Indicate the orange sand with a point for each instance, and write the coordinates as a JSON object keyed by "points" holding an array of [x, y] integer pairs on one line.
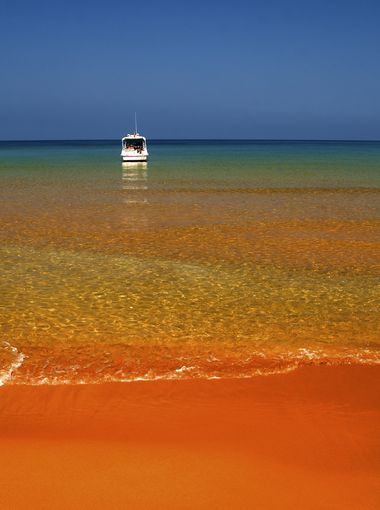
{"points": [[307, 439]]}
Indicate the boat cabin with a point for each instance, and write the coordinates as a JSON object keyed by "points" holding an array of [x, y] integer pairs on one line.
{"points": [[134, 143]]}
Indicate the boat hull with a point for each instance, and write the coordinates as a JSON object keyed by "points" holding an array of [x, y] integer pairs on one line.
{"points": [[134, 157]]}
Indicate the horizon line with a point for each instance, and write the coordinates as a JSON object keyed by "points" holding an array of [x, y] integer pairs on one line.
{"points": [[194, 140]]}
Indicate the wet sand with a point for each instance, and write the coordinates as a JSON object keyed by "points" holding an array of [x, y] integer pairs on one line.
{"points": [[306, 439]]}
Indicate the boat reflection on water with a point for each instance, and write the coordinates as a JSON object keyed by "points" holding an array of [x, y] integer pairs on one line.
{"points": [[135, 180], [135, 186]]}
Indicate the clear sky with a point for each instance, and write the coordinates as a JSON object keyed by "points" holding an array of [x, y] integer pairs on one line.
{"points": [[196, 69]]}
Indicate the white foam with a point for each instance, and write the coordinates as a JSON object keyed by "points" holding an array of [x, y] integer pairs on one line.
{"points": [[184, 369], [16, 363]]}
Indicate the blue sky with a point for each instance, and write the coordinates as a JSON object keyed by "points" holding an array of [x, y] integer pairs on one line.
{"points": [[201, 69]]}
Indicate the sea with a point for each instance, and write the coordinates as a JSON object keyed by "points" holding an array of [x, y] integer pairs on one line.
{"points": [[215, 259]]}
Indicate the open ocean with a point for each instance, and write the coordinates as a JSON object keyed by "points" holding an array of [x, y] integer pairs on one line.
{"points": [[215, 259]]}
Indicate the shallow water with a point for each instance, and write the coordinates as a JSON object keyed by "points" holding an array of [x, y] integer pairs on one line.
{"points": [[215, 259]]}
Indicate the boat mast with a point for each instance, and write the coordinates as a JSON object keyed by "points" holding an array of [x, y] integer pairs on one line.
{"points": [[135, 124]]}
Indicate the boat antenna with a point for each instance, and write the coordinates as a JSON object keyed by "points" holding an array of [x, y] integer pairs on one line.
{"points": [[135, 124]]}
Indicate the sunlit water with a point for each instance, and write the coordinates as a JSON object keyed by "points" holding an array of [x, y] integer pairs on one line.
{"points": [[215, 259]]}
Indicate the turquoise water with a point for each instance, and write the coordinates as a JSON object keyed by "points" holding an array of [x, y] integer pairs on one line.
{"points": [[261, 163], [214, 259]]}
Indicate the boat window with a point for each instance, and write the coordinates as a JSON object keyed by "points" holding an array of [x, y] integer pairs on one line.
{"points": [[133, 144]]}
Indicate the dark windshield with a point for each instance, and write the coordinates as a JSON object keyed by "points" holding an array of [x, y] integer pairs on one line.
{"points": [[133, 144]]}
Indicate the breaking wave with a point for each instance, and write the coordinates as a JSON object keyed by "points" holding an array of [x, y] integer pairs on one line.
{"points": [[210, 367], [16, 362]]}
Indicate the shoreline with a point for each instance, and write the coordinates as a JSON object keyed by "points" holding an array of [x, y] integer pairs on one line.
{"points": [[305, 439]]}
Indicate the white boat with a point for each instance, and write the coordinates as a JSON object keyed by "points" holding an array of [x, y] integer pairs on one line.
{"points": [[133, 147]]}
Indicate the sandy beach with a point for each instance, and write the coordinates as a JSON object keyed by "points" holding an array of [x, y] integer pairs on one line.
{"points": [[305, 439]]}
